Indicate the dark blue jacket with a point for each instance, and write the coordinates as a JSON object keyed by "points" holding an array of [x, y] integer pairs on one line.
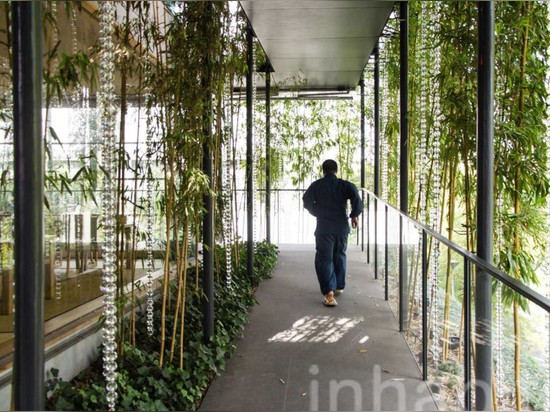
{"points": [[326, 199]]}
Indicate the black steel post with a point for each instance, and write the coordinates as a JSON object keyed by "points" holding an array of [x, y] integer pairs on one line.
{"points": [[268, 155], [28, 360], [376, 122], [386, 258], [362, 84], [403, 158], [424, 305], [467, 336], [368, 228], [485, 190], [249, 158], [376, 238], [208, 204]]}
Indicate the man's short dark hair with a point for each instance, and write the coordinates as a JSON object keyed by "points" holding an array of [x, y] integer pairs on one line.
{"points": [[330, 166]]}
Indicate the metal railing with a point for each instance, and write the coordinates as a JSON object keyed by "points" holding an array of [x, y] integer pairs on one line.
{"points": [[376, 224], [469, 259]]}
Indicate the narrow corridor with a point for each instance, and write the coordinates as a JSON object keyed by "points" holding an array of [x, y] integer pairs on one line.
{"points": [[296, 354]]}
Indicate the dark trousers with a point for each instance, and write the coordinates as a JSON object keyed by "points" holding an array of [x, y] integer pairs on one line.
{"points": [[330, 261]]}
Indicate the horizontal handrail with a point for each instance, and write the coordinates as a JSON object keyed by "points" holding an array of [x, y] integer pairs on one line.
{"points": [[495, 272]]}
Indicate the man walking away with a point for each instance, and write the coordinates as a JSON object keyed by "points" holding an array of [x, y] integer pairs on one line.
{"points": [[326, 199]]}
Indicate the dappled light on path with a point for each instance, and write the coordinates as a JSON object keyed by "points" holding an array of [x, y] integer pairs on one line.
{"points": [[317, 329]]}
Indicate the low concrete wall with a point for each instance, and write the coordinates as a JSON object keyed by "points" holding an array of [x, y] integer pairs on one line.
{"points": [[75, 357]]}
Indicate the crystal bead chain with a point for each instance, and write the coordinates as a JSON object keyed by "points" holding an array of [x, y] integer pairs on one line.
{"points": [[498, 343], [150, 220], [421, 146], [57, 258], [369, 108], [78, 240], [384, 147], [254, 146], [74, 31], [384, 192], [547, 385], [435, 217], [86, 109], [55, 33], [227, 221], [107, 113]]}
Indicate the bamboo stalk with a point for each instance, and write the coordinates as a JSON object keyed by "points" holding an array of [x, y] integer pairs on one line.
{"points": [[178, 303], [447, 307], [165, 296], [184, 293]]}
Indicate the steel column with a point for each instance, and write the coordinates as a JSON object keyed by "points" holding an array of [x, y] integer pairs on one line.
{"points": [[268, 155], [403, 158], [485, 189], [362, 84], [28, 360], [208, 204], [376, 122], [249, 157]]}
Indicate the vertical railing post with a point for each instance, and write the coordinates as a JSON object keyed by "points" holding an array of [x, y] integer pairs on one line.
{"points": [[28, 360], [268, 155], [386, 257], [362, 111], [249, 157], [424, 305], [467, 335], [403, 279], [403, 158], [368, 228], [376, 238]]}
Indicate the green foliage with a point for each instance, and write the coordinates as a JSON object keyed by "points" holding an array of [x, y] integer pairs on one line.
{"points": [[451, 367], [142, 383], [522, 39]]}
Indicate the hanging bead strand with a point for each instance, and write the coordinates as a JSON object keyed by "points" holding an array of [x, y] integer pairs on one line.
{"points": [[421, 146], [150, 218], [57, 258], [547, 385], [227, 220], [107, 113], [434, 214], [498, 342], [384, 192], [254, 146]]}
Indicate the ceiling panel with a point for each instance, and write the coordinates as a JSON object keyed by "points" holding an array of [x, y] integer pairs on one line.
{"points": [[324, 43]]}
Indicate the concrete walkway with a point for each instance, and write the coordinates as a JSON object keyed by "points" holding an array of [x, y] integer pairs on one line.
{"points": [[298, 355]]}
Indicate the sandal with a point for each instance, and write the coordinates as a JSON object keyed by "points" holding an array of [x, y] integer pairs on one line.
{"points": [[332, 302]]}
